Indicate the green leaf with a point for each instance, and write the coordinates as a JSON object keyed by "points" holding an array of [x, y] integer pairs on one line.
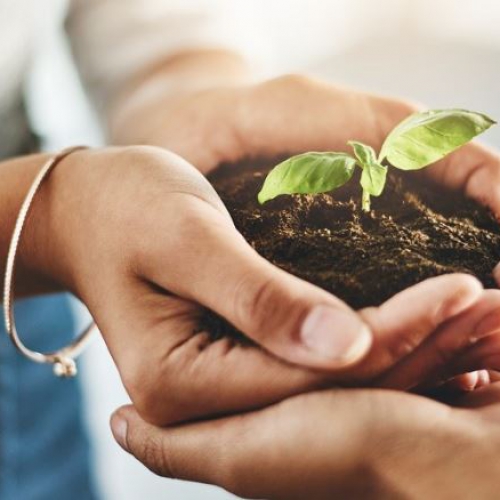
{"points": [[365, 154], [373, 178], [308, 173], [374, 174], [424, 138]]}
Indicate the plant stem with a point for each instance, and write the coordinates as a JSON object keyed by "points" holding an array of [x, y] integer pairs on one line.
{"points": [[365, 201]]}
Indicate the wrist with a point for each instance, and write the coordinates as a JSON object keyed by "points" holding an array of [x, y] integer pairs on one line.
{"points": [[149, 96], [43, 252], [88, 217], [16, 178]]}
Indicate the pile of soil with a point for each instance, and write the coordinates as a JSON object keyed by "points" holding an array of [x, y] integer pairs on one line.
{"points": [[415, 230]]}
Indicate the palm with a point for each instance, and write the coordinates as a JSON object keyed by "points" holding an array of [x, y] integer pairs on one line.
{"points": [[320, 446]]}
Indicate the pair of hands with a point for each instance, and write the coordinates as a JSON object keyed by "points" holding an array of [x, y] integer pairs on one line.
{"points": [[155, 243], [199, 259]]}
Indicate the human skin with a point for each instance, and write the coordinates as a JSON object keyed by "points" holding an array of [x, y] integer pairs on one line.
{"points": [[367, 444], [351, 443], [141, 237], [146, 274], [204, 106]]}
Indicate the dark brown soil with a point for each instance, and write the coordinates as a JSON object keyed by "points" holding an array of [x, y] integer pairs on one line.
{"points": [[414, 231]]}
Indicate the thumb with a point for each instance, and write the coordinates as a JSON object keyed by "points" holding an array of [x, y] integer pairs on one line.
{"points": [[289, 317], [140, 439], [184, 452], [292, 319]]}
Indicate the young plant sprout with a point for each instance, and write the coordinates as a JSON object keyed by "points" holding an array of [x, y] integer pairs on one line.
{"points": [[417, 142]]}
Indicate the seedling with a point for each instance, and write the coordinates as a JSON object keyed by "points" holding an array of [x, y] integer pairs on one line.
{"points": [[417, 142]]}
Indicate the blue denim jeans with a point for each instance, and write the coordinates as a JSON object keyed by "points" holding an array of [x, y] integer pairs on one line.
{"points": [[44, 451]]}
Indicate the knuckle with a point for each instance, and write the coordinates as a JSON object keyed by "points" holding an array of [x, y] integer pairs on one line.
{"points": [[201, 218], [190, 225], [161, 395], [187, 223], [152, 163], [268, 307], [248, 297], [465, 290], [444, 354], [401, 347], [384, 352], [466, 283], [141, 159], [140, 384], [158, 407], [140, 152], [257, 303], [149, 391]]}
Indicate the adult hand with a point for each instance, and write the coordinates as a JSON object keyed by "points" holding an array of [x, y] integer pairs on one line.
{"points": [[333, 444], [141, 237], [292, 114]]}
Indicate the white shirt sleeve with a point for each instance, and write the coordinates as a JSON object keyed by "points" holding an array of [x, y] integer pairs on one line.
{"points": [[113, 40]]}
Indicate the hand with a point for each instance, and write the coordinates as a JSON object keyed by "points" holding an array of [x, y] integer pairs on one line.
{"points": [[293, 114], [141, 237], [333, 444], [287, 115]]}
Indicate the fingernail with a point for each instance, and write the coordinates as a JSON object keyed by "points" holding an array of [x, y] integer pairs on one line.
{"points": [[119, 429], [483, 378], [336, 335]]}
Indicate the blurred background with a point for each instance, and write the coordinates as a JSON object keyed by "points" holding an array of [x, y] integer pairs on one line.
{"points": [[444, 53]]}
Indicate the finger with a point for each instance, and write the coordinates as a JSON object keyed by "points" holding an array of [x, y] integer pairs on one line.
{"points": [[179, 453], [485, 354], [261, 454], [204, 259], [484, 397], [496, 273], [349, 114], [468, 381], [195, 377], [233, 453], [487, 398], [494, 376], [463, 383], [402, 323], [267, 454], [433, 358], [483, 379], [474, 169]]}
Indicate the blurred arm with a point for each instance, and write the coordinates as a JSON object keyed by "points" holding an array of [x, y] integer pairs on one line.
{"points": [[134, 53]]}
